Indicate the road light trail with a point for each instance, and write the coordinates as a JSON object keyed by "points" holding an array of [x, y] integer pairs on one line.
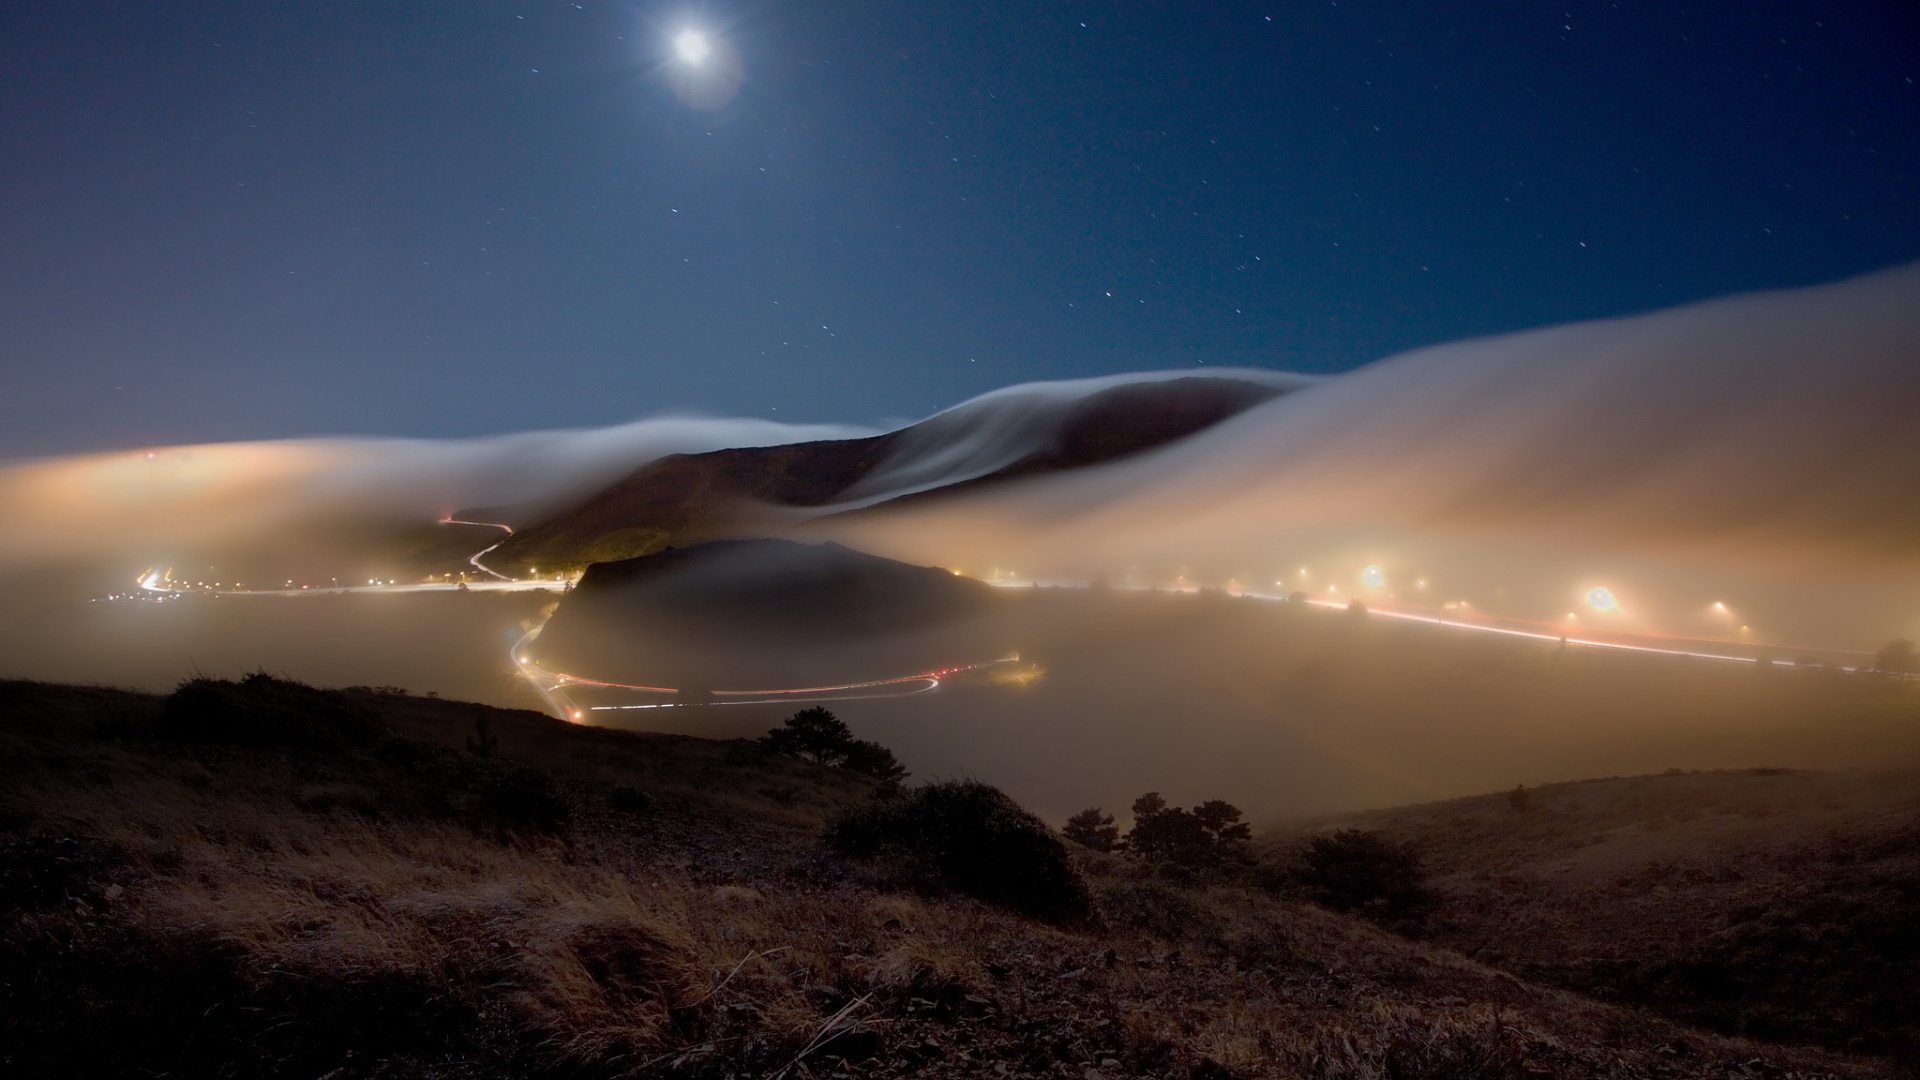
{"points": [[551, 685], [1455, 622], [475, 557]]}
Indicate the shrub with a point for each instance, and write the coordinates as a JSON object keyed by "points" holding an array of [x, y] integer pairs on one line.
{"points": [[970, 837], [262, 710], [526, 798], [1365, 873], [1093, 828], [872, 759], [629, 799], [1896, 657], [483, 742]]}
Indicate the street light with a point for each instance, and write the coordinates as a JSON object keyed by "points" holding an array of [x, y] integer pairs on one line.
{"points": [[1727, 614]]}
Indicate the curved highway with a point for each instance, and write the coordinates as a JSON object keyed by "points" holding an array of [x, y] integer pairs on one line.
{"points": [[552, 686]]}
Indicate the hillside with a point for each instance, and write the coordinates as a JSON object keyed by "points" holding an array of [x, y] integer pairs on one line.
{"points": [[261, 879], [1023, 431], [1778, 903]]}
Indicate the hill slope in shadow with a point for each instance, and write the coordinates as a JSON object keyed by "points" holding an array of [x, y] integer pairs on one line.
{"points": [[774, 614], [1022, 431], [405, 900], [1778, 903]]}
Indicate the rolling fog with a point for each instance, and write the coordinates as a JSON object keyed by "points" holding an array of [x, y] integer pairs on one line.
{"points": [[1759, 452]]}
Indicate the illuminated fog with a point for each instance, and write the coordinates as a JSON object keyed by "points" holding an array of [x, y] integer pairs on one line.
{"points": [[1758, 453]]}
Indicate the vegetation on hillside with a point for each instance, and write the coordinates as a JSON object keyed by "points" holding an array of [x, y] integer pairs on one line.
{"points": [[1206, 836], [818, 736], [244, 897], [1774, 903], [970, 837]]}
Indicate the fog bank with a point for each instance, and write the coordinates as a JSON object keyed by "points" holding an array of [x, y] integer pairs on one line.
{"points": [[1761, 450]]}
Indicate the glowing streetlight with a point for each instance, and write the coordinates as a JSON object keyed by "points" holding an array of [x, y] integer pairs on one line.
{"points": [[1726, 614]]}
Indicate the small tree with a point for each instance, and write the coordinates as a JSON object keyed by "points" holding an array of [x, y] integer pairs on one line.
{"points": [[1093, 828], [814, 735], [818, 736], [1164, 833], [1222, 822], [1896, 657], [872, 759]]}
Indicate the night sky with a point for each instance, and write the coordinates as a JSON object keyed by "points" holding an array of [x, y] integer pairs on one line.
{"points": [[250, 220]]}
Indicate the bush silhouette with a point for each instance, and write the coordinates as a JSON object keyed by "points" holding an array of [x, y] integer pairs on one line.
{"points": [[1092, 828], [262, 710], [970, 837], [872, 759], [1364, 873], [522, 797], [1896, 657], [483, 742]]}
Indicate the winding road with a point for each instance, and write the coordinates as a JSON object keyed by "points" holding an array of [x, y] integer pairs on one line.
{"points": [[553, 686]]}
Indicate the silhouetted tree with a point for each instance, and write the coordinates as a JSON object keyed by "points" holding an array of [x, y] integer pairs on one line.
{"points": [[1222, 821], [1093, 828], [1896, 657], [1164, 833], [818, 736], [814, 735], [1172, 835], [872, 759]]}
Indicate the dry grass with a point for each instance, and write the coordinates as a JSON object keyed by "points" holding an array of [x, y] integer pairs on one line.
{"points": [[265, 912], [1778, 903]]}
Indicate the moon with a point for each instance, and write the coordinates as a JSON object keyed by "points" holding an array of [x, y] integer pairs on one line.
{"points": [[693, 46], [704, 69]]}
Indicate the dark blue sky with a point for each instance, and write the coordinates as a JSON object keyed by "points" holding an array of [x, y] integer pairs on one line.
{"points": [[241, 220]]}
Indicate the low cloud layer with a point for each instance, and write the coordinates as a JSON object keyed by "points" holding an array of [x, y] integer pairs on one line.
{"points": [[1761, 449]]}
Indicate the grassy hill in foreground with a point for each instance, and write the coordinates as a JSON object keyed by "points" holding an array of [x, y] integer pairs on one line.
{"points": [[1772, 902], [261, 879]]}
